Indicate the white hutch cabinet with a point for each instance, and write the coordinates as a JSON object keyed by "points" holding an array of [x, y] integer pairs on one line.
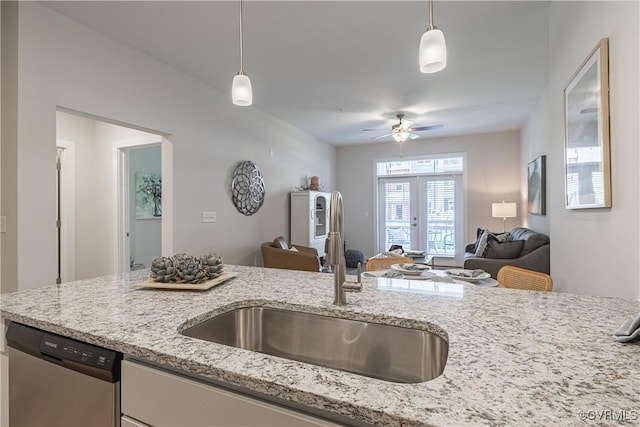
{"points": [[310, 219]]}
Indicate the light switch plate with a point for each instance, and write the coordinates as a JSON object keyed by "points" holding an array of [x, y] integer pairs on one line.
{"points": [[3, 224], [208, 217]]}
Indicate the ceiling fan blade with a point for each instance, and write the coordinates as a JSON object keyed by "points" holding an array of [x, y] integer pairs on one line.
{"points": [[413, 136], [422, 128], [381, 136], [375, 130]]}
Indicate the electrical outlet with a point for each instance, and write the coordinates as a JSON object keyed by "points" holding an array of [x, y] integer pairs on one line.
{"points": [[3, 224], [208, 217]]}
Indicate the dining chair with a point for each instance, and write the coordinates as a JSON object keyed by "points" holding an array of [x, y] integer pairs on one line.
{"points": [[375, 264], [520, 278]]}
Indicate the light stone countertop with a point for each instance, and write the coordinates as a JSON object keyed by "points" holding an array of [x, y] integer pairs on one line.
{"points": [[515, 357]]}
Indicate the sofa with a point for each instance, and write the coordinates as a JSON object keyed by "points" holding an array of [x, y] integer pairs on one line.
{"points": [[279, 254], [522, 247]]}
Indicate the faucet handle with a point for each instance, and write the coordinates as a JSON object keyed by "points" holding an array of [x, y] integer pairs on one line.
{"points": [[352, 287], [357, 286]]}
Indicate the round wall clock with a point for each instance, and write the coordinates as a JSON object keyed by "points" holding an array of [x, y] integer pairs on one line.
{"points": [[247, 187]]}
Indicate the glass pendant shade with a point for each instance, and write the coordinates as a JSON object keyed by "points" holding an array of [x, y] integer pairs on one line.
{"points": [[241, 92], [433, 51], [400, 135]]}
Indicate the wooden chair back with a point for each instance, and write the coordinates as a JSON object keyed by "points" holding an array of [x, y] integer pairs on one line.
{"points": [[519, 278], [376, 264]]}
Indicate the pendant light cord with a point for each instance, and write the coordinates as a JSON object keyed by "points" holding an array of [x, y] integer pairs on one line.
{"points": [[431, 27], [241, 40]]}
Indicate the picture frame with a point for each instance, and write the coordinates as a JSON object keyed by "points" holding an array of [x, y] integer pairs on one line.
{"points": [[148, 195], [587, 161], [537, 186]]}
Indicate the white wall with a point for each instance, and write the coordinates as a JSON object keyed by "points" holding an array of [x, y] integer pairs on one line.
{"points": [[146, 242], [4, 358], [536, 142], [493, 175], [593, 251], [62, 63], [9, 133]]}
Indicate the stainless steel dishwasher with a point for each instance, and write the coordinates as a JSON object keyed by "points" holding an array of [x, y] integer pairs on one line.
{"points": [[58, 381]]}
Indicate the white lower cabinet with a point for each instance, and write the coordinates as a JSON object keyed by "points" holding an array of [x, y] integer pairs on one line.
{"points": [[152, 397]]}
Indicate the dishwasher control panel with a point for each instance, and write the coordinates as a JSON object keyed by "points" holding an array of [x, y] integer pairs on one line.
{"points": [[87, 354], [87, 358]]}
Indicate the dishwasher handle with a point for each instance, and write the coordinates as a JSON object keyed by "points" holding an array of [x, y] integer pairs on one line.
{"points": [[52, 359]]}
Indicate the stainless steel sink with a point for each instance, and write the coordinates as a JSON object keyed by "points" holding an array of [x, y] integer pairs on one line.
{"points": [[386, 352]]}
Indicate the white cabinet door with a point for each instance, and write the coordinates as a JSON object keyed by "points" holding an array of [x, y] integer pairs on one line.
{"points": [[158, 398], [310, 219]]}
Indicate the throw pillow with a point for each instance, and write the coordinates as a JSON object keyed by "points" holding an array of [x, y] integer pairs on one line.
{"points": [[353, 257], [486, 238], [293, 249], [504, 250]]}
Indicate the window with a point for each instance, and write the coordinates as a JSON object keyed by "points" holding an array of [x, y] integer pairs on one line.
{"points": [[399, 212]]}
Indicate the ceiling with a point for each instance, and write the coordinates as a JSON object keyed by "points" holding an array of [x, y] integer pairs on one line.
{"points": [[333, 68]]}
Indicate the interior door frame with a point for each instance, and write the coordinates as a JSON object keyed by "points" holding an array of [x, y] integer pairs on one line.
{"points": [[121, 178], [67, 210]]}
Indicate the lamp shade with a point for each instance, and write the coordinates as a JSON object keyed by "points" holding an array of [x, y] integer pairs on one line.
{"points": [[241, 92], [504, 210], [433, 51]]}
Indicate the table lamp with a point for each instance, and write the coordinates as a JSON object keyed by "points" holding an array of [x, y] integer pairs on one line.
{"points": [[504, 210]]}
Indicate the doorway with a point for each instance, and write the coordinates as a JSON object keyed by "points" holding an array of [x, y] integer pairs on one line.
{"points": [[140, 206], [94, 233], [422, 207]]}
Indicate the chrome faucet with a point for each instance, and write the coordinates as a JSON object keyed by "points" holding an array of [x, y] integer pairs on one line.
{"points": [[335, 252]]}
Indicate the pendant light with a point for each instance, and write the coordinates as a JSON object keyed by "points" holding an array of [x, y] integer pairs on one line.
{"points": [[433, 50], [241, 92]]}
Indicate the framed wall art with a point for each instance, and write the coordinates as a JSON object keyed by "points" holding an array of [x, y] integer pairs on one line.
{"points": [[586, 137], [536, 186], [148, 195]]}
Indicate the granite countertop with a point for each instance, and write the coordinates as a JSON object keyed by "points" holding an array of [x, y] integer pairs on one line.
{"points": [[515, 357]]}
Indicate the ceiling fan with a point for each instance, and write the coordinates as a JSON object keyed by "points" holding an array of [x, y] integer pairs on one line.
{"points": [[402, 130]]}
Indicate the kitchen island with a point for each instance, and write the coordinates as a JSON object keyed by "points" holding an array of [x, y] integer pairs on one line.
{"points": [[515, 357]]}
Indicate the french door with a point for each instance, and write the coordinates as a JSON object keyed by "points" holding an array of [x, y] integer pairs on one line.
{"points": [[422, 213]]}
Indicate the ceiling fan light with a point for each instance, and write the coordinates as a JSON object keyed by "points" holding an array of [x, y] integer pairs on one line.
{"points": [[433, 51], [400, 135], [241, 92]]}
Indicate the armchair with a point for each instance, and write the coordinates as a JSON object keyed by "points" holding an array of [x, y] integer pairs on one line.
{"points": [[278, 254]]}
